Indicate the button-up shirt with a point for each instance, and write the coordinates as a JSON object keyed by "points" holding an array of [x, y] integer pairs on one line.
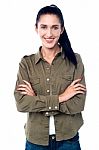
{"points": [[48, 81]]}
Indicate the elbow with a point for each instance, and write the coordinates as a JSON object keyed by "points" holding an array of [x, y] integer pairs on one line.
{"points": [[21, 108]]}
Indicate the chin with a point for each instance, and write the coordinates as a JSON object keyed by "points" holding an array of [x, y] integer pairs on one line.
{"points": [[49, 46]]}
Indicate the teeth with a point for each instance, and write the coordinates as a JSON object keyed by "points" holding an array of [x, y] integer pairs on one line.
{"points": [[49, 39]]}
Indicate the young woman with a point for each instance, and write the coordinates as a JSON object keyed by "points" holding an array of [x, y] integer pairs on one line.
{"points": [[51, 87]]}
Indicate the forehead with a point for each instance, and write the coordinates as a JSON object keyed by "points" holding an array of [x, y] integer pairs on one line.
{"points": [[49, 19]]}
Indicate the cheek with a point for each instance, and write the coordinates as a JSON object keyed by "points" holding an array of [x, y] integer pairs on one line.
{"points": [[57, 35], [41, 32]]}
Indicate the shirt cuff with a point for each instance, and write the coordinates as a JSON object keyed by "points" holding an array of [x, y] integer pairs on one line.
{"points": [[52, 103]]}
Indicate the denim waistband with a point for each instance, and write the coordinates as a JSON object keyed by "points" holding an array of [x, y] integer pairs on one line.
{"points": [[76, 137], [52, 137]]}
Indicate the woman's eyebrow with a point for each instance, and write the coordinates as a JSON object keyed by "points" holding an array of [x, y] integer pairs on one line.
{"points": [[55, 25], [43, 25]]}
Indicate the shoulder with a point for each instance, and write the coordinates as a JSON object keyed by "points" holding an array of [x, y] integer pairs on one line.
{"points": [[78, 57], [27, 59], [29, 56]]}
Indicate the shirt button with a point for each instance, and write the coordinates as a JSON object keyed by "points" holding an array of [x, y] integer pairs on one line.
{"points": [[47, 79], [48, 91], [53, 137], [46, 113], [47, 68], [56, 107], [49, 107]]}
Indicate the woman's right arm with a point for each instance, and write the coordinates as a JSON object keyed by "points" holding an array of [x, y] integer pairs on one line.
{"points": [[32, 103]]}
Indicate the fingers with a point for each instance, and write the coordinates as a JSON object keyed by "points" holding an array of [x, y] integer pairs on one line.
{"points": [[26, 88], [23, 87], [23, 90], [27, 83], [80, 92], [76, 84], [78, 87], [75, 81]]}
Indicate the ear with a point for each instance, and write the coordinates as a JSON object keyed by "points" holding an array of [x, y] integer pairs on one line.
{"points": [[62, 30], [36, 29]]}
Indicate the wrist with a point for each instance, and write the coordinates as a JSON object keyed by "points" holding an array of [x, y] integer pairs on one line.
{"points": [[61, 98]]}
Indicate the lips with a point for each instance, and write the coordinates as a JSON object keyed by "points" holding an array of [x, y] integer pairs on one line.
{"points": [[49, 40]]}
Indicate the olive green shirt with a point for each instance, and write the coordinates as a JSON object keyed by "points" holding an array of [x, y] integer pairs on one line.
{"points": [[48, 81]]}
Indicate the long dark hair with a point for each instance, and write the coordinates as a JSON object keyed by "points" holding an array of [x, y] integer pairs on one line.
{"points": [[63, 40]]}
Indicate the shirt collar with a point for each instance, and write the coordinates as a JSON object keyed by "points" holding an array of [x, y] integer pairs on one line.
{"points": [[38, 55]]}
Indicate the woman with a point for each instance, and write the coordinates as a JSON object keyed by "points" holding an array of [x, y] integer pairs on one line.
{"points": [[51, 87]]}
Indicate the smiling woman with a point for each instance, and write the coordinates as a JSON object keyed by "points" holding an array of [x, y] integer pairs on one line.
{"points": [[51, 87], [49, 28]]}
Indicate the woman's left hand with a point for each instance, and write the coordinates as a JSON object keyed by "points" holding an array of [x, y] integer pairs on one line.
{"points": [[26, 89]]}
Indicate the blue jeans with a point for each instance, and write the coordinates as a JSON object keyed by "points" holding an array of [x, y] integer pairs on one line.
{"points": [[71, 144]]}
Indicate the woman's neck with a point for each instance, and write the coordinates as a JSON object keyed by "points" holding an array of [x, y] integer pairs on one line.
{"points": [[49, 54]]}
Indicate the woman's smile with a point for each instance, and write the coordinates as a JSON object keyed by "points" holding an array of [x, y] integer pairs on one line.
{"points": [[49, 40]]}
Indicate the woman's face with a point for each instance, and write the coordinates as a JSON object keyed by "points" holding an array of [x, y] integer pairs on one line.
{"points": [[49, 30]]}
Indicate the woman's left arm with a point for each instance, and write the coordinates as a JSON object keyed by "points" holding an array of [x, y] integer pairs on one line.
{"points": [[75, 94]]}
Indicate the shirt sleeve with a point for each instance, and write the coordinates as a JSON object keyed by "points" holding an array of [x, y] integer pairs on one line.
{"points": [[38, 103], [76, 104]]}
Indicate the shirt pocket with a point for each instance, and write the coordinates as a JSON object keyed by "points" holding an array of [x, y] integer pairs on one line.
{"points": [[65, 80], [35, 83]]}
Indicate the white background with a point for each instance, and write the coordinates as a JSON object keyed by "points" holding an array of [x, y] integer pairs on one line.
{"points": [[18, 38]]}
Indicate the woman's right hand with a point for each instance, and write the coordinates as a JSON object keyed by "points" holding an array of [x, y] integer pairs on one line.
{"points": [[73, 89], [26, 89]]}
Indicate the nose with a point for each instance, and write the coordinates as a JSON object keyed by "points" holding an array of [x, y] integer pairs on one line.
{"points": [[49, 32]]}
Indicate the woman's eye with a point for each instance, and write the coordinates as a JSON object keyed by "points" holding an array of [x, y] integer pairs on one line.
{"points": [[55, 28], [43, 27]]}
